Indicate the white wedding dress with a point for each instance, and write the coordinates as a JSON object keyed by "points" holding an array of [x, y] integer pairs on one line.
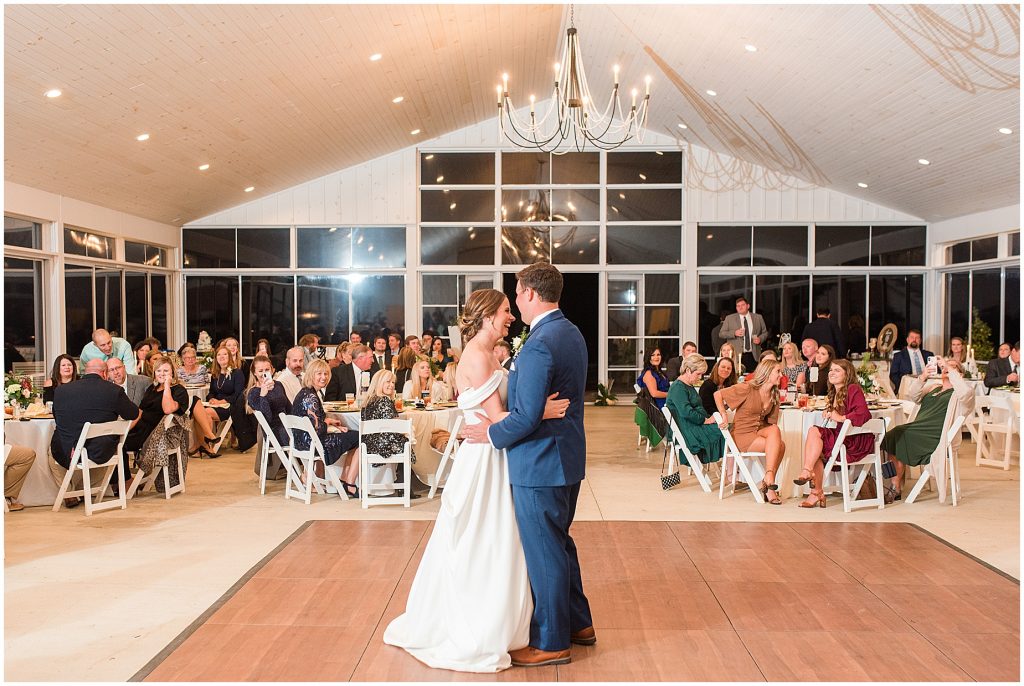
{"points": [[470, 602]]}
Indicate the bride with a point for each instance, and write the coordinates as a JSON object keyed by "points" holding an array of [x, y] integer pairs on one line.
{"points": [[470, 602]]}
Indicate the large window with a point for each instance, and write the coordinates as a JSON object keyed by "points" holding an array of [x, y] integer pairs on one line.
{"points": [[880, 246], [988, 295], [348, 247], [268, 311], [87, 244], [23, 310], [130, 304], [643, 314], [746, 246], [22, 233]]}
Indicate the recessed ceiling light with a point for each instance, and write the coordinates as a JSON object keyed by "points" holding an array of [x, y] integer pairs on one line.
{"points": [[53, 93], [204, 167], [711, 93], [750, 48], [142, 137], [414, 132], [1003, 130], [375, 56], [250, 189], [682, 126], [398, 99], [923, 161], [862, 184]]}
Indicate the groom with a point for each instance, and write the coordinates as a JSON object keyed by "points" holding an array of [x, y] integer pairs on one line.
{"points": [[546, 463]]}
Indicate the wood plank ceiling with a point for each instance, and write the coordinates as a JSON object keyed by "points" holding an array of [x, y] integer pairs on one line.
{"points": [[271, 96]]}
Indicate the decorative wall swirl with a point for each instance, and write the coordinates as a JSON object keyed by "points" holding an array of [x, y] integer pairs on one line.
{"points": [[710, 170], [972, 50]]}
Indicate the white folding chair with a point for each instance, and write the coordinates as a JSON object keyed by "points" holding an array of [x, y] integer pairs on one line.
{"points": [[943, 452], [986, 430], [640, 438], [80, 462], [223, 427], [140, 482], [863, 466], [678, 445], [308, 459], [746, 462], [379, 426], [440, 476], [268, 446]]}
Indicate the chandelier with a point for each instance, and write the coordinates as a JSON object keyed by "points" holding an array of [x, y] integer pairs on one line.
{"points": [[572, 120]]}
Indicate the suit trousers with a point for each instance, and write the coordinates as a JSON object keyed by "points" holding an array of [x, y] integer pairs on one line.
{"points": [[544, 515], [16, 469]]}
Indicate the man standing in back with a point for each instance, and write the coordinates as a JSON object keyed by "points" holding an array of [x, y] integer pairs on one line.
{"points": [[745, 331], [824, 330], [104, 346]]}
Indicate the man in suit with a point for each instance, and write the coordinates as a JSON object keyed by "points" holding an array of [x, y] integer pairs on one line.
{"points": [[90, 399], [350, 378], [824, 330], [503, 354], [910, 360], [745, 330], [546, 464], [134, 385], [672, 368], [291, 376], [381, 355], [394, 344], [1004, 371]]}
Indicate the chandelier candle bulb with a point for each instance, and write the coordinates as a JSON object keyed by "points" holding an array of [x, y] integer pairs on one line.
{"points": [[647, 83], [615, 69]]}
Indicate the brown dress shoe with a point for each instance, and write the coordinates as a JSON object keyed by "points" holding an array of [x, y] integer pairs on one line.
{"points": [[534, 657], [584, 637]]}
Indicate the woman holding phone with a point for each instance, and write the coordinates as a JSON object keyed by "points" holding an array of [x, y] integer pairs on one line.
{"points": [[267, 396]]}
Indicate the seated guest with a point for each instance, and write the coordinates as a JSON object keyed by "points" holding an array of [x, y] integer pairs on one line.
{"points": [[756, 424], [232, 345], [166, 396], [653, 380], [184, 346], [421, 382], [723, 375], [380, 404], [394, 344], [856, 334], [404, 364], [225, 398], [911, 360], [341, 356], [1003, 351], [809, 348], [728, 351], [351, 378], [262, 348], [355, 338], [427, 341], [1004, 371], [793, 366], [64, 371], [134, 385], [291, 376], [142, 350], [957, 350], [16, 467], [153, 359], [104, 346], [845, 401], [703, 438], [267, 396], [825, 331], [414, 343], [309, 343], [381, 355], [766, 355], [503, 353], [90, 399], [191, 372], [817, 373], [446, 390], [340, 446], [672, 367], [438, 353], [912, 444]]}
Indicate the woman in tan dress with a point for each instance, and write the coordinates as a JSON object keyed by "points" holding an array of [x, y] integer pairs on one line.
{"points": [[756, 424]]}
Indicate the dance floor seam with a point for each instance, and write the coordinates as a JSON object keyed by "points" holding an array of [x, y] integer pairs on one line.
{"points": [[672, 601]]}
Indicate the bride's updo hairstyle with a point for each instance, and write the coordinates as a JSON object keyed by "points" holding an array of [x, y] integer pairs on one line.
{"points": [[482, 303]]}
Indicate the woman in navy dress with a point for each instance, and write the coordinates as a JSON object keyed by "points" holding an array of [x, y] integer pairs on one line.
{"points": [[653, 379]]}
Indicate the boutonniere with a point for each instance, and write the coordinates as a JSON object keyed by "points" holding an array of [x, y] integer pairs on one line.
{"points": [[519, 341]]}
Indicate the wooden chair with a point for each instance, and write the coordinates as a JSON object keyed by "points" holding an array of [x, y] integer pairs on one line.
{"points": [[862, 467], [269, 446], [985, 431], [694, 464], [745, 462], [943, 458], [140, 482], [80, 462], [378, 426], [308, 459], [440, 476]]}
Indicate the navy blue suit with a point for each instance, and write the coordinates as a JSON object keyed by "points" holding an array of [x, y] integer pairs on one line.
{"points": [[901, 365], [546, 461]]}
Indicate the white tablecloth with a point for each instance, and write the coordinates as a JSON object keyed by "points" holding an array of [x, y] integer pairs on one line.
{"points": [[794, 424], [197, 392], [40, 486], [1009, 412]]}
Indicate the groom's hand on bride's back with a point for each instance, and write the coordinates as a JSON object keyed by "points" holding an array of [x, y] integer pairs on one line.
{"points": [[477, 433]]}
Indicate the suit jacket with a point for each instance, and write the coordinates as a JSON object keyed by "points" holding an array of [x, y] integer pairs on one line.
{"points": [[343, 381], [997, 371], [90, 399], [137, 387], [672, 368], [901, 365], [554, 452], [507, 363], [757, 328], [375, 367], [824, 330]]}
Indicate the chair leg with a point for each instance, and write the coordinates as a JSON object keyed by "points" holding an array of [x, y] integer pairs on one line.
{"points": [[87, 488], [925, 477], [264, 459]]}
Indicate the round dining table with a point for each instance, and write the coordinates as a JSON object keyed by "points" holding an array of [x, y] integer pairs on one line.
{"points": [[40, 487]]}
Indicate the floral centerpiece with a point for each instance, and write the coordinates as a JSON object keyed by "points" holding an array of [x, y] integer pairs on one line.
{"points": [[18, 390], [866, 371], [605, 396]]}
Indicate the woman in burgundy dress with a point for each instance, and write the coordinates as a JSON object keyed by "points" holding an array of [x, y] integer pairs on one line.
{"points": [[845, 401]]}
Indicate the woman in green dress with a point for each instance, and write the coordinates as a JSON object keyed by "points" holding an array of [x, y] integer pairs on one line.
{"points": [[702, 436]]}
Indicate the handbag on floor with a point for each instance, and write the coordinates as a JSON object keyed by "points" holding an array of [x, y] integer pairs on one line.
{"points": [[668, 480]]}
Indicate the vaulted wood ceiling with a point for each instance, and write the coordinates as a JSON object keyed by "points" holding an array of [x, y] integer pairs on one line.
{"points": [[271, 96]]}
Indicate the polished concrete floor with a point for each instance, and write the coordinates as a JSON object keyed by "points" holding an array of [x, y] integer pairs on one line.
{"points": [[97, 598]]}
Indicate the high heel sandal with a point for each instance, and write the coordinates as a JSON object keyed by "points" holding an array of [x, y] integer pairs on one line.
{"points": [[764, 488], [819, 500], [354, 492], [801, 480]]}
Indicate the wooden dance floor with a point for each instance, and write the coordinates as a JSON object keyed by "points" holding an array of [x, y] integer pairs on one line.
{"points": [[672, 601]]}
